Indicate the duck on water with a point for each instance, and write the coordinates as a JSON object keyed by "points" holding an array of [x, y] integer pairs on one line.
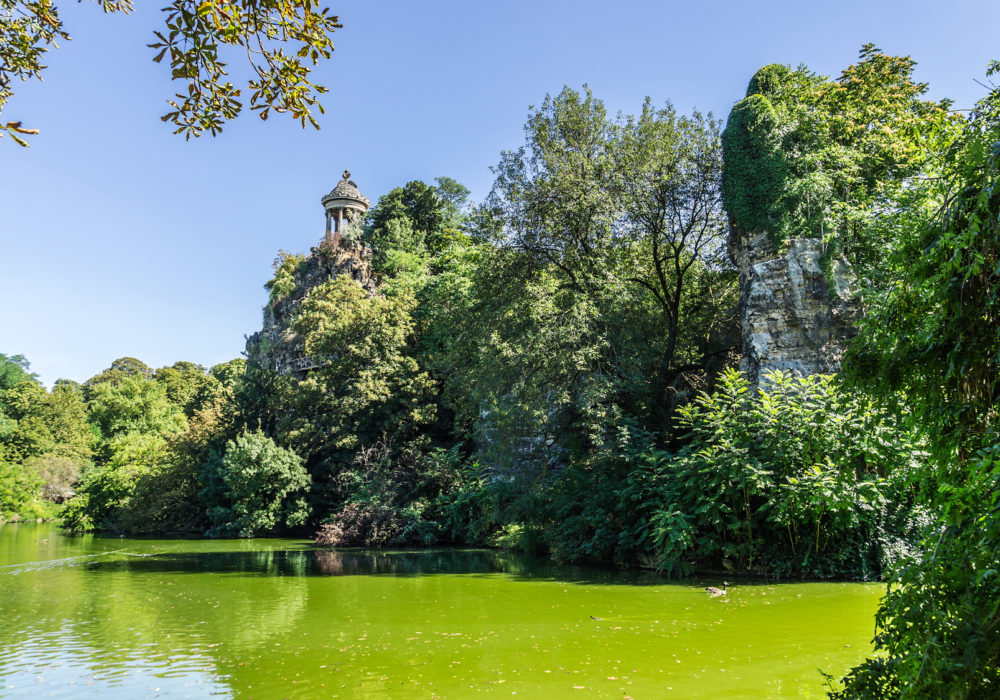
{"points": [[716, 592]]}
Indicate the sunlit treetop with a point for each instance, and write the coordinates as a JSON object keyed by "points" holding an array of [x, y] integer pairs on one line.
{"points": [[814, 157]]}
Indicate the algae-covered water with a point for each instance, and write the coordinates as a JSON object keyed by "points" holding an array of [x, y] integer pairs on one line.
{"points": [[278, 618]]}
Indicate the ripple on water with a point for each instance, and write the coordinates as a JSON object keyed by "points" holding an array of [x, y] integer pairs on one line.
{"points": [[61, 664]]}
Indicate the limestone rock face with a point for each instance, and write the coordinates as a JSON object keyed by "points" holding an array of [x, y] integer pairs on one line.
{"points": [[277, 346], [792, 316]]}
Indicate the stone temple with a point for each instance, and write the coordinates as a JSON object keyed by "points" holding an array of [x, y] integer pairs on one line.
{"points": [[277, 347], [344, 203]]}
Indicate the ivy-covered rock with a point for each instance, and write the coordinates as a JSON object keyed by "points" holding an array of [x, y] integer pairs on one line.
{"points": [[813, 170]]}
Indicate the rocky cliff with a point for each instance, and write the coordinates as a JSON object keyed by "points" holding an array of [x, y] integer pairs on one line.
{"points": [[798, 306], [277, 346], [794, 316]]}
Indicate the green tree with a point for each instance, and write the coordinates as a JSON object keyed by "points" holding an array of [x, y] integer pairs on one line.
{"points": [[557, 198], [368, 383], [189, 386], [279, 41], [18, 486], [359, 418], [417, 201], [24, 434], [415, 220], [15, 369], [264, 488], [398, 247], [455, 196], [671, 168], [448, 329], [136, 485], [45, 422], [613, 204], [44, 436], [230, 374], [620, 223], [120, 369], [134, 405], [65, 415], [932, 341], [109, 494]]}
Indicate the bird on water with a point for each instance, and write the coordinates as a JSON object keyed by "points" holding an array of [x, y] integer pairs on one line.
{"points": [[715, 592]]}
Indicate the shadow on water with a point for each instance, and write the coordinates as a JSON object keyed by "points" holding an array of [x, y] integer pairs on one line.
{"points": [[325, 562]]}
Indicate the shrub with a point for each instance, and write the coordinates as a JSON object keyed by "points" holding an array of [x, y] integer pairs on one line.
{"points": [[263, 487], [802, 478], [19, 486], [361, 525], [283, 282], [329, 535], [76, 514]]}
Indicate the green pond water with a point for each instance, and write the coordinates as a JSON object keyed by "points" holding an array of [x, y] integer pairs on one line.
{"points": [[277, 618]]}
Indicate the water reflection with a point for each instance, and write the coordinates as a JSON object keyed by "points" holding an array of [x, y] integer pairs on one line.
{"points": [[326, 562]]}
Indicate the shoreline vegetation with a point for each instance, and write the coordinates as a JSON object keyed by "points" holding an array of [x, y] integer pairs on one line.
{"points": [[554, 371]]}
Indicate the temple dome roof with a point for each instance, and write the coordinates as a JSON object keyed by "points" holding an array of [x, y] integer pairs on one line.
{"points": [[346, 193]]}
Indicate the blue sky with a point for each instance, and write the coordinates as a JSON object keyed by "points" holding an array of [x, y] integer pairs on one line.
{"points": [[118, 238]]}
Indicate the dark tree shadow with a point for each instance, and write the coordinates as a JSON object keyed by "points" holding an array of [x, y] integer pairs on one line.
{"points": [[349, 562]]}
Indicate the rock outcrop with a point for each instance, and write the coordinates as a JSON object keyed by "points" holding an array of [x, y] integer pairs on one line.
{"points": [[277, 346], [793, 315]]}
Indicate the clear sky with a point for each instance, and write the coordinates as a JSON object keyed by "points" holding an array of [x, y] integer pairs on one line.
{"points": [[119, 239]]}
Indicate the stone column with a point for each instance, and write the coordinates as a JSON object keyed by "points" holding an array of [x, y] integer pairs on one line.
{"points": [[340, 221], [329, 223]]}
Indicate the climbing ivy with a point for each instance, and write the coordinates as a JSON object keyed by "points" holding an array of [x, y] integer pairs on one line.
{"points": [[806, 156]]}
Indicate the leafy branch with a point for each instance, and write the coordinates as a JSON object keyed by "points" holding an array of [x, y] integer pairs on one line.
{"points": [[282, 39]]}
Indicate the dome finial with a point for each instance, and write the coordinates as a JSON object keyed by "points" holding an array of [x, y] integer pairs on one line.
{"points": [[347, 174]]}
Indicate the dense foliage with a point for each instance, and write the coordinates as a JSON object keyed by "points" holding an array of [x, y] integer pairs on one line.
{"points": [[607, 293], [124, 449], [932, 342], [519, 378], [831, 159], [415, 221], [256, 487], [45, 440], [801, 478]]}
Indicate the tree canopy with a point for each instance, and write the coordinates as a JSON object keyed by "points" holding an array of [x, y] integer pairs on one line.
{"points": [[806, 156], [417, 221], [628, 206]]}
